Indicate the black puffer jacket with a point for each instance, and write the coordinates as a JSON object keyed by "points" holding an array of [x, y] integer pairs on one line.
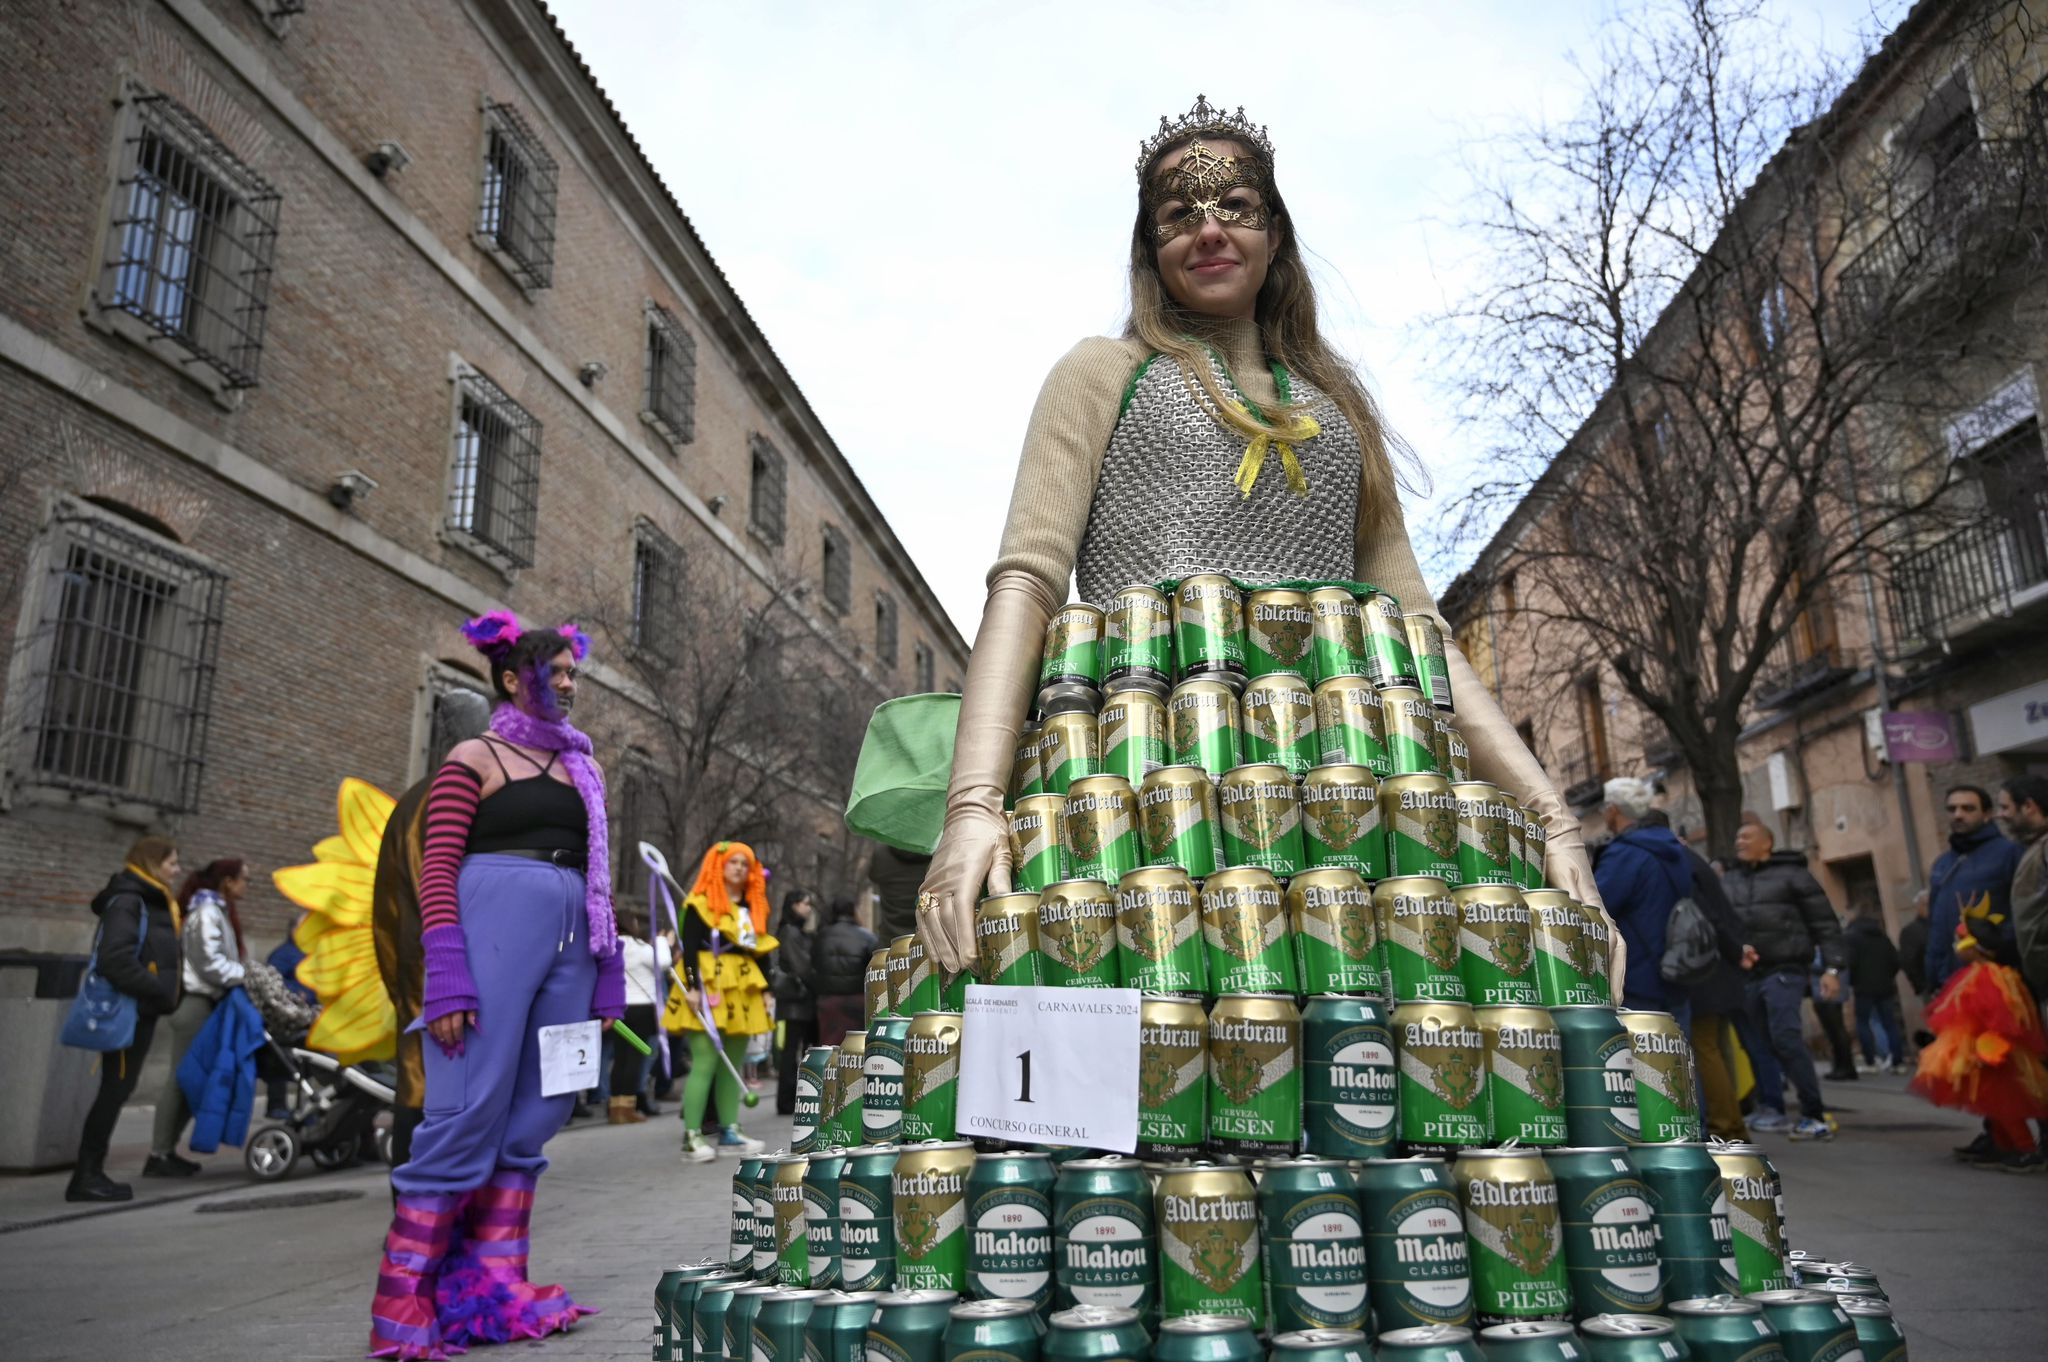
{"points": [[792, 961], [1873, 960], [1784, 913], [842, 958], [150, 976]]}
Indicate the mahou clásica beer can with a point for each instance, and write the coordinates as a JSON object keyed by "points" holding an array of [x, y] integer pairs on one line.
{"points": [[1496, 955], [1100, 828], [1599, 1076], [1138, 639], [1416, 1259], [1433, 668], [1009, 1226], [821, 1214], [1091, 1333], [1531, 1340], [1442, 1102], [1255, 1075], [1610, 1232], [1630, 1338], [1178, 820], [931, 1077], [1351, 725], [1340, 820], [881, 1108], [930, 1189], [1038, 849], [1349, 1076], [1203, 725], [1261, 810], [1278, 714], [1209, 1262], [1279, 633], [993, 1330], [1421, 818], [1811, 1325], [867, 1224], [1339, 634], [1133, 734], [1392, 661], [1245, 928], [1073, 647], [1159, 932], [746, 1174], [1511, 1219], [1208, 628], [1173, 1091], [1730, 1329], [810, 1096], [1877, 1333], [1524, 1075], [1695, 1242], [1103, 1239], [910, 1326], [1314, 1246], [1336, 931], [1077, 933], [1006, 941], [1667, 1094], [1207, 1338]]}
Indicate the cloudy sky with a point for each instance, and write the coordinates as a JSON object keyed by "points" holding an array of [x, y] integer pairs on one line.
{"points": [[925, 204]]}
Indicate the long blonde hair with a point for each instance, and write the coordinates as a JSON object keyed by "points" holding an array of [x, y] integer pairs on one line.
{"points": [[1286, 317]]}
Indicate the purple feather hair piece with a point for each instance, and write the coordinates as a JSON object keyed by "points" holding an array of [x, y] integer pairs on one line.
{"points": [[579, 642], [493, 631]]}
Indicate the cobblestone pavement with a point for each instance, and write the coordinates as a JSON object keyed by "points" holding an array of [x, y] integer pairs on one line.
{"points": [[221, 1273]]}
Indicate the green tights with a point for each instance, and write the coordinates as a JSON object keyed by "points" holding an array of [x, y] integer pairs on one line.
{"points": [[704, 1069]]}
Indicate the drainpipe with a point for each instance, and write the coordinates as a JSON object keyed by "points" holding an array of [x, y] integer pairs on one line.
{"points": [[1915, 867]]}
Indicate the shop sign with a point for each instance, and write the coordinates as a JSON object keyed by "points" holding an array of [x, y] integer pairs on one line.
{"points": [[2017, 719], [1921, 735]]}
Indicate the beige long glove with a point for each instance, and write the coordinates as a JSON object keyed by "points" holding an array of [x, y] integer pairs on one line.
{"points": [[1500, 757], [974, 846]]}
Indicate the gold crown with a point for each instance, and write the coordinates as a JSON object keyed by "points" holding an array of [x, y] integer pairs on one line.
{"points": [[1205, 121]]}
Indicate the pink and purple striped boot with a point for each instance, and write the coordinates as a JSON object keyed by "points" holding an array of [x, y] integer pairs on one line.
{"points": [[484, 1295], [404, 1318]]}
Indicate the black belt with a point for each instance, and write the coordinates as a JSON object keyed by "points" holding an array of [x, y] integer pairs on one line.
{"points": [[568, 860]]}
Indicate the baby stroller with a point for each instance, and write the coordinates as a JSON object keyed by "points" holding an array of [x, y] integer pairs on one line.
{"points": [[338, 1112]]}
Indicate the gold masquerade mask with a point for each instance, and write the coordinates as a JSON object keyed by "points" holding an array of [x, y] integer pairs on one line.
{"points": [[1204, 185]]}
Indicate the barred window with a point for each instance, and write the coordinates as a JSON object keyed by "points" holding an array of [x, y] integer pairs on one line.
{"points": [[494, 494], [516, 220], [671, 377], [657, 592], [767, 491], [189, 245], [838, 571], [885, 628], [120, 663], [924, 662]]}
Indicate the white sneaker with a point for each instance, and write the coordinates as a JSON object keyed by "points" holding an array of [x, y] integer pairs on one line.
{"points": [[734, 1141], [697, 1149]]}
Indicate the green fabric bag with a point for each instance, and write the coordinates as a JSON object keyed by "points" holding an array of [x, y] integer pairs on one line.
{"points": [[899, 783]]}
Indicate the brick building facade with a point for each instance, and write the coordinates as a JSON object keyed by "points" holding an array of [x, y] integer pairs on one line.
{"points": [[321, 328]]}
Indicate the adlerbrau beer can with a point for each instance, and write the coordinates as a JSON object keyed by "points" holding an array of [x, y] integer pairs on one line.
{"points": [[1421, 817], [1138, 639], [1351, 726], [1069, 747], [1203, 725], [1524, 1075], [1255, 1076], [1336, 932], [1386, 643], [1667, 1094], [1261, 811], [1178, 820], [1442, 1095], [1208, 628], [1077, 934], [1006, 941], [1279, 718], [1209, 1262], [929, 1185], [1496, 955], [1279, 632], [1173, 1096], [1245, 928], [1133, 734], [1073, 647], [1418, 920], [1100, 828], [1433, 668], [1339, 634], [931, 1078], [1038, 849], [1159, 932], [1411, 731], [1340, 820], [1510, 1202]]}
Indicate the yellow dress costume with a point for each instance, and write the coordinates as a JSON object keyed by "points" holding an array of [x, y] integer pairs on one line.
{"points": [[732, 973]]}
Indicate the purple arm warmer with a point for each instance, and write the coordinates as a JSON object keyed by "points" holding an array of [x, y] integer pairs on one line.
{"points": [[610, 999], [449, 986]]}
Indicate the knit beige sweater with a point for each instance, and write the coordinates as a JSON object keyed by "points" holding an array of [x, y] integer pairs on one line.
{"points": [[1063, 449]]}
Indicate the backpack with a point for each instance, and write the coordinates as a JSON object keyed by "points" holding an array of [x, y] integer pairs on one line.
{"points": [[1690, 949]]}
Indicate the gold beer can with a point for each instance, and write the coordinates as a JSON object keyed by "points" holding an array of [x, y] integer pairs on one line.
{"points": [[1458, 752], [1497, 956], [1006, 940], [874, 982], [1100, 829], [1159, 932], [1426, 642], [1411, 730], [1038, 848], [1485, 834], [1027, 775], [1069, 748], [1440, 730], [899, 969], [1077, 934], [1278, 632]]}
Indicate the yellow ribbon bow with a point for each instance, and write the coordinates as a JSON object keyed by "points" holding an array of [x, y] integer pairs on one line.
{"points": [[1300, 429]]}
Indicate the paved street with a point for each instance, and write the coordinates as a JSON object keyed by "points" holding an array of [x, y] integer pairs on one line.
{"points": [[217, 1275]]}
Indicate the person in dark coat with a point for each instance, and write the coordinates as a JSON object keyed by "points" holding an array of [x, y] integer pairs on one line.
{"points": [[1874, 981], [1642, 873], [1913, 946], [839, 972], [796, 1006], [1716, 1000], [139, 955], [1976, 870], [897, 875], [1785, 917]]}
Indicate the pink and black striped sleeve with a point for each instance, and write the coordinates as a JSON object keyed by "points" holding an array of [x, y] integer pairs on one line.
{"points": [[451, 807]]}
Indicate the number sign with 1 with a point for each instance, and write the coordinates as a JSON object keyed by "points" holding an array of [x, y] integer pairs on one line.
{"points": [[1051, 1066]]}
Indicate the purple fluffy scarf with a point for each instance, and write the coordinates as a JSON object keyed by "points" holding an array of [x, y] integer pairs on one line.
{"points": [[515, 725]]}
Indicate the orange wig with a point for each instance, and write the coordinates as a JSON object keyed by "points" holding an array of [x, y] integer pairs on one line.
{"points": [[708, 894]]}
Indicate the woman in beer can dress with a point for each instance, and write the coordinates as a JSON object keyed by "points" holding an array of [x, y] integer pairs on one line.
{"points": [[1219, 433]]}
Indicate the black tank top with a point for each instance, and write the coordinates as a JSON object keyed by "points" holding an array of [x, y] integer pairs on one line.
{"points": [[533, 813]]}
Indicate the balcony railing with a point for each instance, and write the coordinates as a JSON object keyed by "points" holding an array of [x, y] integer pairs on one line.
{"points": [[1980, 573], [1577, 775], [1789, 678]]}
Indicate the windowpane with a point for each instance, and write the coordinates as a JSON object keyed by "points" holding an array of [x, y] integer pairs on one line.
{"points": [[657, 592], [671, 376], [766, 492], [494, 484], [516, 213], [838, 571]]}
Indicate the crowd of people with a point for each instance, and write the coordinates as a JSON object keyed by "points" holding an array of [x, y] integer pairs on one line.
{"points": [[1737, 951]]}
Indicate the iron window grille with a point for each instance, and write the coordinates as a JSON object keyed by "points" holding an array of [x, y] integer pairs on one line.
{"points": [[190, 243], [516, 220], [885, 628], [925, 664], [838, 572], [494, 495], [121, 660], [657, 592], [767, 491], [671, 406]]}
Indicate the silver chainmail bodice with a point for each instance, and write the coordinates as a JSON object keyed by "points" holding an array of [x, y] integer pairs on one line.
{"points": [[1166, 507]]}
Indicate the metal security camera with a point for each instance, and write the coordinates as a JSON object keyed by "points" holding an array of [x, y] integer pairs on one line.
{"points": [[592, 373], [343, 492], [388, 158], [717, 503]]}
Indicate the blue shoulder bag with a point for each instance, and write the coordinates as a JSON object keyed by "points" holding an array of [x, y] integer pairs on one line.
{"points": [[102, 1017]]}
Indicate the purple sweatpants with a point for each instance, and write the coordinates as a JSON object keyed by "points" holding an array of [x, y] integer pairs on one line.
{"points": [[524, 924]]}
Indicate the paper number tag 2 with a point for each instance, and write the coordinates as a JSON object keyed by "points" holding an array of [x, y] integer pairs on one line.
{"points": [[1050, 1066], [568, 1057]]}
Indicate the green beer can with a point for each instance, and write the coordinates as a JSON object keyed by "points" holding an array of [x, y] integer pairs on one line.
{"points": [[918, 990], [837, 1330], [1100, 828], [1009, 1227], [1208, 627], [1103, 1237], [847, 1125], [1812, 1326], [1261, 811], [1321, 1345], [1595, 953], [1730, 1329], [1350, 1077], [1531, 1340], [1351, 725], [1178, 820], [1173, 1094], [874, 987], [1392, 661], [766, 1265], [1485, 838], [1753, 1193], [1279, 717], [1630, 1338], [991, 1330], [881, 1110], [1524, 1075], [1203, 726], [675, 1296], [1077, 933], [910, 1326], [1314, 1246], [810, 1094], [1254, 1077], [929, 1188], [1532, 845], [739, 1320], [1695, 1241], [1069, 748], [1667, 1093], [1207, 1338], [1458, 759], [1245, 929], [1006, 941], [792, 1247], [1418, 919], [1138, 640], [1340, 820], [1279, 633], [1877, 1333], [1027, 768], [1432, 665], [1159, 932], [1441, 1100], [1599, 1077], [1134, 742], [1427, 1343], [1209, 1261], [1339, 634], [1336, 931], [1416, 1260], [1553, 929], [1511, 1220], [821, 1214], [707, 1320], [1411, 733], [1038, 849], [1496, 952], [931, 1079], [740, 1253], [1421, 818], [780, 1324], [1090, 1333], [867, 1222], [1073, 647], [1610, 1232]]}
